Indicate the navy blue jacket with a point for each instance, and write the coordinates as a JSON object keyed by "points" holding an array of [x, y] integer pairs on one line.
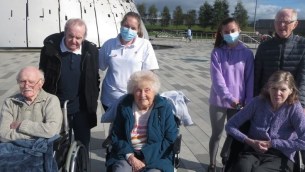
{"points": [[281, 54], [50, 64], [162, 131]]}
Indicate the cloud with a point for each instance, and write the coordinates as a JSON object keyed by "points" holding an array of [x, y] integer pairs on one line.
{"points": [[265, 9]]}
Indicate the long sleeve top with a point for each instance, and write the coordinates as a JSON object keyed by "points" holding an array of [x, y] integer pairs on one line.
{"points": [[232, 75], [43, 118], [285, 127]]}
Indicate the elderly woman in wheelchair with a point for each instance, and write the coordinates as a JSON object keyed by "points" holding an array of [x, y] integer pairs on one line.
{"points": [[277, 127], [144, 129], [27, 122]]}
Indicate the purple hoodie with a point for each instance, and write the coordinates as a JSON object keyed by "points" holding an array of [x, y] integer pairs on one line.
{"points": [[232, 75]]}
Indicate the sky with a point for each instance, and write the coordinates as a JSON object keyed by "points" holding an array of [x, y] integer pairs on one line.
{"points": [[266, 9]]}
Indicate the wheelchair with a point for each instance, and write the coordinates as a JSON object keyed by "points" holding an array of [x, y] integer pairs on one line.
{"points": [[70, 155], [176, 147], [232, 148]]}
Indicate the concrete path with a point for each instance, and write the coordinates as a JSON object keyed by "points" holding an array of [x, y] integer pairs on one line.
{"points": [[185, 68]]}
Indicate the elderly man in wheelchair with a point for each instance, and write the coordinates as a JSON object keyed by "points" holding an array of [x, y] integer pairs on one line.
{"points": [[276, 128], [29, 123], [144, 129]]}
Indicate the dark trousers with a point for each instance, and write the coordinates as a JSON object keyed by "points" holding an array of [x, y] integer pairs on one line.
{"points": [[80, 125], [263, 162]]}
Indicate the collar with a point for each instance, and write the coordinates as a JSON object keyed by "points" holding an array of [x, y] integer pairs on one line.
{"points": [[64, 48], [41, 96], [284, 39]]}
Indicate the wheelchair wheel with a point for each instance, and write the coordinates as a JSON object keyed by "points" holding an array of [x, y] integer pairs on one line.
{"points": [[77, 159]]}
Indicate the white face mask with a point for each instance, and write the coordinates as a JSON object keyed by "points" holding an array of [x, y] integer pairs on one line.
{"points": [[231, 38]]}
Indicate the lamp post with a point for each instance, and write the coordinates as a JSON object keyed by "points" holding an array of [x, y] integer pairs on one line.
{"points": [[255, 15]]}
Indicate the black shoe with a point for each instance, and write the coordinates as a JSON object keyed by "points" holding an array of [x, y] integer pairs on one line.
{"points": [[107, 142], [212, 168]]}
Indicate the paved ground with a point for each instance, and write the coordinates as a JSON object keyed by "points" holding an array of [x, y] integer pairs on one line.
{"points": [[185, 68]]}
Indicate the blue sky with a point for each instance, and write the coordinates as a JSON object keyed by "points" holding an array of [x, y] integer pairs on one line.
{"points": [[266, 9]]}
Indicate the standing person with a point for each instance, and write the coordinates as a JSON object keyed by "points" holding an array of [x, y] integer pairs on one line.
{"points": [[285, 51], [232, 81], [70, 65], [189, 34], [122, 56]]}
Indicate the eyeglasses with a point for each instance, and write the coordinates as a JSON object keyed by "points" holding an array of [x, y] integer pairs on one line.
{"points": [[29, 83], [285, 22]]}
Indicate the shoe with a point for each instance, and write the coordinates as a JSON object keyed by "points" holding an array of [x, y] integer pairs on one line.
{"points": [[107, 142], [212, 168]]}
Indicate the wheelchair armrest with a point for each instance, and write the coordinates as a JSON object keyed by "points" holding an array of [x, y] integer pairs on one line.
{"points": [[177, 144]]}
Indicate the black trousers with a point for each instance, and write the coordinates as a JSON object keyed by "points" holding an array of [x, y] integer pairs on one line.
{"points": [[272, 161], [80, 125]]}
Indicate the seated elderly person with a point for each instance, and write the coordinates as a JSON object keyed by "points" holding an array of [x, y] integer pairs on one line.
{"points": [[144, 128], [32, 112], [277, 127]]}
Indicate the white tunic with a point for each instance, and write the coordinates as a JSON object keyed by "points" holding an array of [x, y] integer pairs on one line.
{"points": [[121, 61]]}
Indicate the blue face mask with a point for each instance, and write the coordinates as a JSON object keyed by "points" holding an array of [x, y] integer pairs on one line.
{"points": [[128, 34], [231, 38]]}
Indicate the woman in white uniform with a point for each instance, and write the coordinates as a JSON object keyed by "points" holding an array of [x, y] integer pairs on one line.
{"points": [[122, 56]]}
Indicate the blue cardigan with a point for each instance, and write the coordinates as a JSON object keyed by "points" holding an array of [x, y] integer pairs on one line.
{"points": [[162, 131]]}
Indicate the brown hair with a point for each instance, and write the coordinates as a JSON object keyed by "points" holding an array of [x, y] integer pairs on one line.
{"points": [[137, 17], [281, 76], [219, 41]]}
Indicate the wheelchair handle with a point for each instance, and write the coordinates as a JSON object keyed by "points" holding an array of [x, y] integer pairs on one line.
{"points": [[65, 115]]}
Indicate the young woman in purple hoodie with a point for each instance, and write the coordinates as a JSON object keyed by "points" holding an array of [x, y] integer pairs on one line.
{"points": [[231, 73]]}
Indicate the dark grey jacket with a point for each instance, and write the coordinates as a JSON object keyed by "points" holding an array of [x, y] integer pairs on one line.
{"points": [[281, 54]]}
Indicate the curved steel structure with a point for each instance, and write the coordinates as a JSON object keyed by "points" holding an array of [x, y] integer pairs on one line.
{"points": [[25, 23]]}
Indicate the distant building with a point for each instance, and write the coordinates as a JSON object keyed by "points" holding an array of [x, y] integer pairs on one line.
{"points": [[266, 26]]}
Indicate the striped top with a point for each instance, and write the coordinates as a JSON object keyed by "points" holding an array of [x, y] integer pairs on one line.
{"points": [[139, 131]]}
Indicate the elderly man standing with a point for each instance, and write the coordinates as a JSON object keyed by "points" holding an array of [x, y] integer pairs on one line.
{"points": [[70, 64], [285, 51], [32, 112]]}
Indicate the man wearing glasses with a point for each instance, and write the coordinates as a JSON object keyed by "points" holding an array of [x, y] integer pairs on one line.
{"points": [[285, 51], [32, 112]]}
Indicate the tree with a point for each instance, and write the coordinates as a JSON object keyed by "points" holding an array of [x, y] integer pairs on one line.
{"points": [[205, 15], [220, 12], [142, 11], [178, 16], [241, 15], [152, 15], [190, 17], [165, 17]]}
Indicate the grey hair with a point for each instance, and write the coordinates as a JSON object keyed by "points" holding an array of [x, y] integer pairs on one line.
{"points": [[294, 16], [73, 22], [40, 72], [141, 77]]}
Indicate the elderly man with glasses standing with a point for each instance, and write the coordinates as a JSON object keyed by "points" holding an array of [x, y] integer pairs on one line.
{"points": [[285, 51]]}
